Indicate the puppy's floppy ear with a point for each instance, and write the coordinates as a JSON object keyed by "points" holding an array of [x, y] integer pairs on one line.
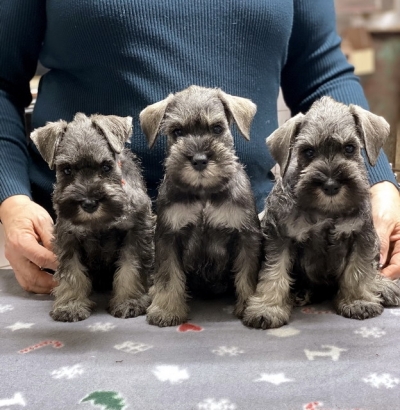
{"points": [[242, 110], [373, 131], [280, 141], [47, 139], [117, 130], [151, 117]]}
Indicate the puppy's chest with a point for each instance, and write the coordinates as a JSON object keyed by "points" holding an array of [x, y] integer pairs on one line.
{"points": [[323, 230], [100, 250], [323, 249], [203, 215]]}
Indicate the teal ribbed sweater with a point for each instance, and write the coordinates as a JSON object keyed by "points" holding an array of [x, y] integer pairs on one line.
{"points": [[117, 56]]}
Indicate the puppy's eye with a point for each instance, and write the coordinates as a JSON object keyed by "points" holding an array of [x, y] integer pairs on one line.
{"points": [[106, 168], [178, 132], [309, 153], [217, 129], [67, 171], [349, 149]]}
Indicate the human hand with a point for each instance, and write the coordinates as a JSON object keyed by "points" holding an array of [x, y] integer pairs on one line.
{"points": [[386, 215], [28, 234]]}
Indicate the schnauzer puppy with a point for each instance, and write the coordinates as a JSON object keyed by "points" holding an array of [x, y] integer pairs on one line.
{"points": [[317, 225], [208, 234], [105, 228]]}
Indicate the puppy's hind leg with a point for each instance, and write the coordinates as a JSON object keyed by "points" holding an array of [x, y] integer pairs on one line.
{"points": [[71, 295], [270, 306]]}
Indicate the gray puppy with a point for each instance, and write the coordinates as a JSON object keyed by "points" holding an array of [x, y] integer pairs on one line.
{"points": [[318, 229], [105, 228], [208, 233]]}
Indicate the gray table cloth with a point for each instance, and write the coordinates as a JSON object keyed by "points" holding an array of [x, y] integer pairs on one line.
{"points": [[320, 361]]}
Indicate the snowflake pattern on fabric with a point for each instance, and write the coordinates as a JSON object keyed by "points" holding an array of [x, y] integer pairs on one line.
{"points": [[6, 308], [172, 374], [101, 327], [214, 404], [20, 325], [381, 380], [274, 378], [227, 351], [132, 347], [370, 332], [68, 372]]}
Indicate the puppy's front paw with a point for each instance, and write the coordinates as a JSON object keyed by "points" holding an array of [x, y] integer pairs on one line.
{"points": [[72, 312], [162, 318], [360, 309], [265, 317], [130, 308]]}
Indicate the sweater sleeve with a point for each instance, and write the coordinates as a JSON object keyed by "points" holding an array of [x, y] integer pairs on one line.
{"points": [[316, 66], [22, 26]]}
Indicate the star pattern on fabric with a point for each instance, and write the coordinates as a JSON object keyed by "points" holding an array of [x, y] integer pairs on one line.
{"points": [[172, 374], [20, 325], [16, 400]]}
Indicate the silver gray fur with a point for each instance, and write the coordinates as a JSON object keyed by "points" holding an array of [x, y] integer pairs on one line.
{"points": [[208, 232], [104, 232], [318, 229]]}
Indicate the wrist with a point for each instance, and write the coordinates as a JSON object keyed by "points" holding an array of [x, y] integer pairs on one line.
{"points": [[385, 189], [11, 203]]}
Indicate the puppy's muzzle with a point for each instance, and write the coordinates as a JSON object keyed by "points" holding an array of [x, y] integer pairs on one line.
{"points": [[331, 187], [199, 161], [89, 205]]}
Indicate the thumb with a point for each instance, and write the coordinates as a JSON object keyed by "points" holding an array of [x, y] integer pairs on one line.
{"points": [[384, 241], [45, 232]]}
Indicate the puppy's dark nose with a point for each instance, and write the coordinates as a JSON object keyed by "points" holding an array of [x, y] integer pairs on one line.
{"points": [[89, 205], [331, 187], [199, 162]]}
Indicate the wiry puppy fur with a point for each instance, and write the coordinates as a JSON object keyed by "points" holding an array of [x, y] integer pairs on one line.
{"points": [[317, 225], [207, 233], [105, 228]]}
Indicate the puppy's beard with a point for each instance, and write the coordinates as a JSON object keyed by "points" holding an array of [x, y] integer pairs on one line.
{"points": [[334, 203], [209, 178], [84, 217]]}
